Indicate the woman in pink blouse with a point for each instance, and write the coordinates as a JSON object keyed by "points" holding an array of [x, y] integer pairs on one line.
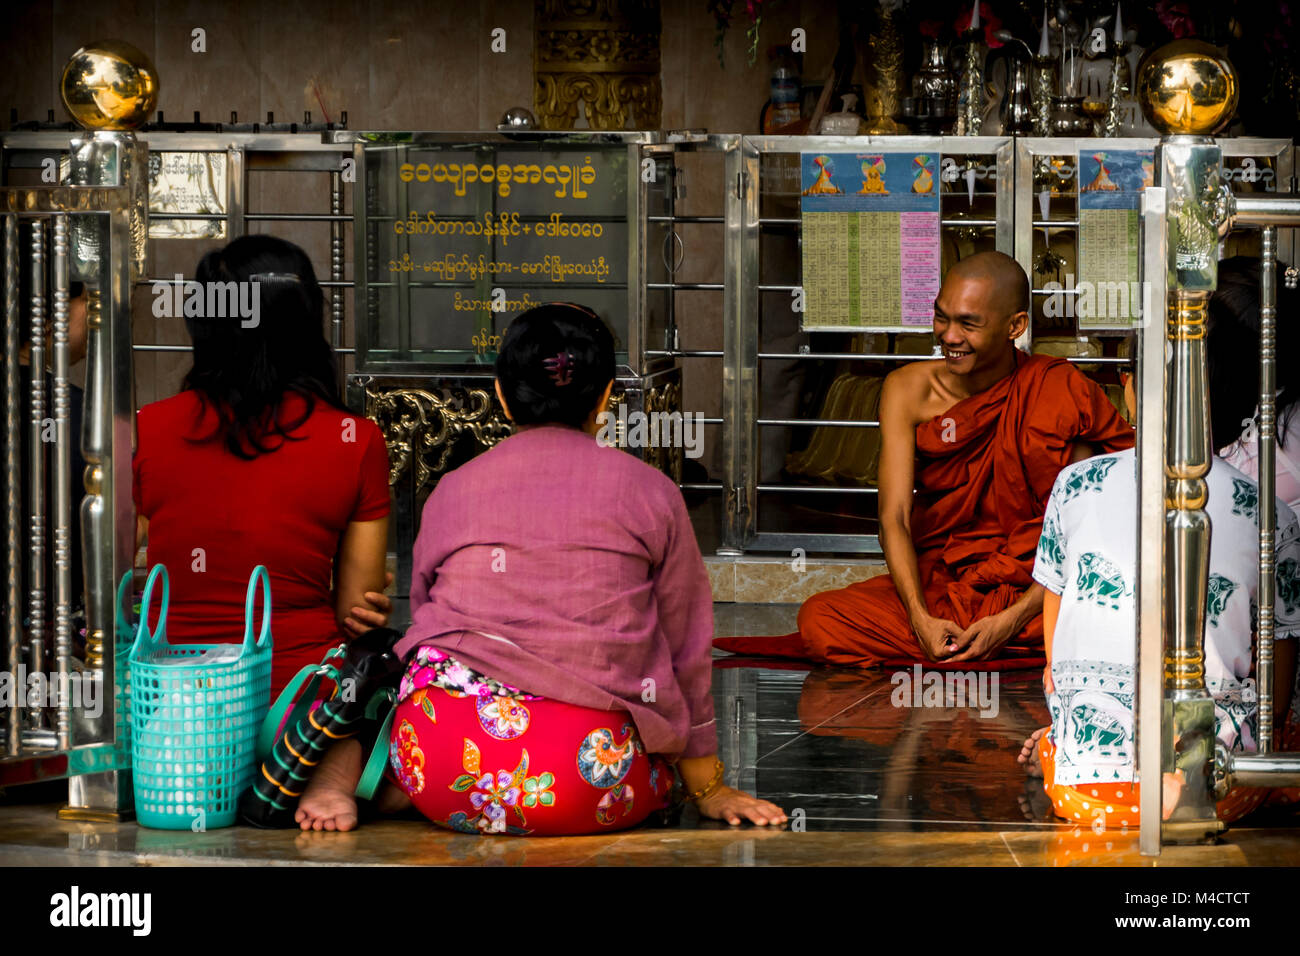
{"points": [[559, 659]]}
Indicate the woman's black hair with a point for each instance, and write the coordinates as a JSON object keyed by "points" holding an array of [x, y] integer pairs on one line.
{"points": [[243, 369], [1232, 350], [554, 363]]}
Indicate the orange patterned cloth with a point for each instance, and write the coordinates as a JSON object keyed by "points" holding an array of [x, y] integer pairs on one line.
{"points": [[1113, 806]]}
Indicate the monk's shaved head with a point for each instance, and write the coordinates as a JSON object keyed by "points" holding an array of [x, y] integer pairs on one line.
{"points": [[981, 310], [1008, 284]]}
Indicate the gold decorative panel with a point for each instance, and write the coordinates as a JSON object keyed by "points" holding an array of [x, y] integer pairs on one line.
{"points": [[422, 428], [665, 398], [603, 54]]}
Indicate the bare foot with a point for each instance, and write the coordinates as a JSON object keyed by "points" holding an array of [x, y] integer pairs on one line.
{"points": [[328, 802], [1029, 753], [1034, 803]]}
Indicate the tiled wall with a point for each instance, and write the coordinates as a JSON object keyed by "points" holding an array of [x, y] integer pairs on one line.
{"points": [[764, 580]]}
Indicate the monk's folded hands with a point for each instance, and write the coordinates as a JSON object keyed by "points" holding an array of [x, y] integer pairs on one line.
{"points": [[936, 635], [984, 638]]}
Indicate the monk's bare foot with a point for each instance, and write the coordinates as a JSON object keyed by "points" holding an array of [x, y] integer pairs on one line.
{"points": [[1172, 784], [328, 802], [1029, 753]]}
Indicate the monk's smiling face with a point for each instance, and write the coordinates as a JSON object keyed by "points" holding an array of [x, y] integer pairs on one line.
{"points": [[980, 312]]}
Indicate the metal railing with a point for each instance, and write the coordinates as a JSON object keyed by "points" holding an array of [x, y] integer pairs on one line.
{"points": [[54, 233], [42, 226], [1265, 768], [245, 153], [1174, 455]]}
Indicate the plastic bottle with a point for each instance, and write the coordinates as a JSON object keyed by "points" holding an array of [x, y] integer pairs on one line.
{"points": [[785, 87]]}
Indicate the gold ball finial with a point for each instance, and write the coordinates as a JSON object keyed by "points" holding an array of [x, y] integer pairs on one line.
{"points": [[109, 84], [1187, 87]]}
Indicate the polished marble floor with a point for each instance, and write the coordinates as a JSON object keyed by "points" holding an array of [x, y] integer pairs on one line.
{"points": [[866, 781]]}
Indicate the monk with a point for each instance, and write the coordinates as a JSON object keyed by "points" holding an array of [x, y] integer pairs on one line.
{"points": [[982, 434]]}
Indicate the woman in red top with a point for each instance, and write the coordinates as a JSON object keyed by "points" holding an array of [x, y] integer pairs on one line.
{"points": [[257, 461]]}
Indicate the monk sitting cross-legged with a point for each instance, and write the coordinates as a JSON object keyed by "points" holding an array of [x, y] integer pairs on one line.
{"points": [[983, 433]]}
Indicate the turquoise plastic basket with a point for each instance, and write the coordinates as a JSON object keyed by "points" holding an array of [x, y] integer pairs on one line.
{"points": [[194, 721], [124, 638]]}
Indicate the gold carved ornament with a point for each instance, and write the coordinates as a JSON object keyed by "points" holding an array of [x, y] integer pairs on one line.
{"points": [[603, 54], [666, 398], [885, 78], [422, 429]]}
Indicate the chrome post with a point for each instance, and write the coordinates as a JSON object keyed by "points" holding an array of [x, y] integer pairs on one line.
{"points": [[1267, 430], [1005, 230], [37, 525], [236, 193], [740, 347], [1257, 210], [1188, 167], [636, 280], [365, 269], [1151, 388], [96, 440], [14, 631], [1024, 203], [336, 260], [1259, 770], [112, 259], [732, 534], [62, 486]]}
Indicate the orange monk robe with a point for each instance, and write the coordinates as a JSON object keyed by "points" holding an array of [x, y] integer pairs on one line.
{"points": [[984, 470]]}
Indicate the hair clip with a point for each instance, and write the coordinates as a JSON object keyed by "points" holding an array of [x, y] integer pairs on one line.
{"points": [[274, 277], [561, 368]]}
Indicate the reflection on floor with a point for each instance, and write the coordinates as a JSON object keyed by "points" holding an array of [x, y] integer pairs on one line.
{"points": [[832, 743], [866, 783]]}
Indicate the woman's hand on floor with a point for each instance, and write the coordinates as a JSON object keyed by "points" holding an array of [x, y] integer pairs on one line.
{"points": [[362, 619], [736, 806]]}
